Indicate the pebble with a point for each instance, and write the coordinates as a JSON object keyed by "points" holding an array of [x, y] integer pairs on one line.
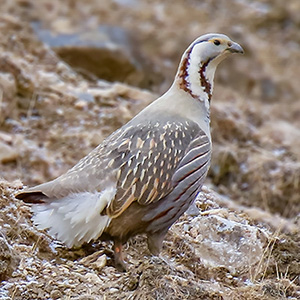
{"points": [[7, 153]]}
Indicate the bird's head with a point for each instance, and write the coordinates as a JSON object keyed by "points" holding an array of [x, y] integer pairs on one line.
{"points": [[199, 62]]}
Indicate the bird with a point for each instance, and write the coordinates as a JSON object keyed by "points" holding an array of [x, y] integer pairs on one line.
{"points": [[147, 173]]}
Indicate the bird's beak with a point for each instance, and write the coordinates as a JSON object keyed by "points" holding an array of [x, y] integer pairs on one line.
{"points": [[235, 48]]}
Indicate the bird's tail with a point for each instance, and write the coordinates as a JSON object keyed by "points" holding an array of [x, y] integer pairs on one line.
{"points": [[32, 197], [73, 219]]}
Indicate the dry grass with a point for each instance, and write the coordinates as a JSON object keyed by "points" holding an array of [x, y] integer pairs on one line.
{"points": [[259, 272]]}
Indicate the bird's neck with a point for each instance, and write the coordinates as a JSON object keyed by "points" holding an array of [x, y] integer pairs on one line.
{"points": [[196, 78]]}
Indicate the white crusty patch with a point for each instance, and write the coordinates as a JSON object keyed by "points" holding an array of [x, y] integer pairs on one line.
{"points": [[75, 219]]}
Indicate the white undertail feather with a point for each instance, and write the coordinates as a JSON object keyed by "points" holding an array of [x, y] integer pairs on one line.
{"points": [[76, 218]]}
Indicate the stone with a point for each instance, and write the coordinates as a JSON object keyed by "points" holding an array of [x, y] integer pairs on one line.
{"points": [[107, 52], [7, 153]]}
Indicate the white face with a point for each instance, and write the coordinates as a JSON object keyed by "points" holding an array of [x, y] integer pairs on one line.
{"points": [[214, 46]]}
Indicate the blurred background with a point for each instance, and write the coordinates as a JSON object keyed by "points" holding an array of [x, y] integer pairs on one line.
{"points": [[74, 71]]}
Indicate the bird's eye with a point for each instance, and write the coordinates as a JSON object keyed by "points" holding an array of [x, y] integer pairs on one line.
{"points": [[217, 42]]}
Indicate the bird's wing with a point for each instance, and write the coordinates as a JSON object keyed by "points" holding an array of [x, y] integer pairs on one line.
{"points": [[192, 169], [143, 163], [93, 173], [155, 162]]}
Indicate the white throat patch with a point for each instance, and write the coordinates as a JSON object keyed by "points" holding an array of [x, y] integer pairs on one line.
{"points": [[196, 75]]}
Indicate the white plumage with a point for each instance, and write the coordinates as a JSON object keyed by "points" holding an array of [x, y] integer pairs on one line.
{"points": [[76, 218]]}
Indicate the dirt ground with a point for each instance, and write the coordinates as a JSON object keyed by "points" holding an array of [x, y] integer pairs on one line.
{"points": [[56, 106]]}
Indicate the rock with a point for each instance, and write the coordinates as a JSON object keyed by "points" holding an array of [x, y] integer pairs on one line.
{"points": [[7, 153], [99, 263], [222, 238], [228, 243], [96, 261], [107, 52]]}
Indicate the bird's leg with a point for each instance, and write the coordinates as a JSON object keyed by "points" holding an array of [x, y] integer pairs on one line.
{"points": [[155, 242], [119, 259]]}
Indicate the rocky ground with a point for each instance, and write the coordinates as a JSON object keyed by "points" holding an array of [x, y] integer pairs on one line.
{"points": [[71, 72]]}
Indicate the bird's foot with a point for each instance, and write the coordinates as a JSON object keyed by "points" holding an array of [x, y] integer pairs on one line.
{"points": [[120, 264]]}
